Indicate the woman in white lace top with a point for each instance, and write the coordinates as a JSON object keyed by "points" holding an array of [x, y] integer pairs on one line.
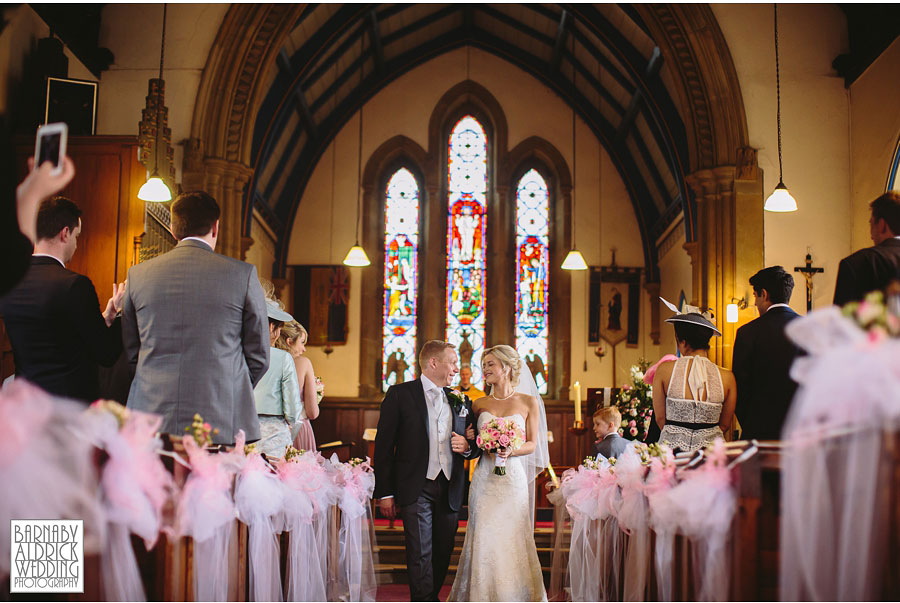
{"points": [[693, 398]]}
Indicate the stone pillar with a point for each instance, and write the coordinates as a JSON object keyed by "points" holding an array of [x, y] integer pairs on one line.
{"points": [[225, 181], [721, 258], [501, 259], [372, 283], [652, 290]]}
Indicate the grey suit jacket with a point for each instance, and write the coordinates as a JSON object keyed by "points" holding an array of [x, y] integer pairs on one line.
{"points": [[611, 446], [194, 327]]}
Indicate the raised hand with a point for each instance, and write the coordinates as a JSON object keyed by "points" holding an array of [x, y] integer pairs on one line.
{"points": [[114, 305], [38, 185]]}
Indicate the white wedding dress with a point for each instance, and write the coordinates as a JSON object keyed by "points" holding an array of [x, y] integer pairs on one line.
{"points": [[499, 560]]}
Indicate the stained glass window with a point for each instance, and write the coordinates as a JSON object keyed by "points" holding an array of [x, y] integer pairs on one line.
{"points": [[532, 274], [401, 244], [466, 230]]}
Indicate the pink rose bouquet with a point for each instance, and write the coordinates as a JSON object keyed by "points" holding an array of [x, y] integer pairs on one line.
{"points": [[320, 390], [500, 434]]}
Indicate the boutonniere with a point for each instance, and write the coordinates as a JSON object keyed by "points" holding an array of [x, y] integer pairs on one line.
{"points": [[457, 402]]}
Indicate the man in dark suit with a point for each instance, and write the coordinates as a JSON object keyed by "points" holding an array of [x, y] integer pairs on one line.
{"points": [[873, 267], [53, 318], [763, 356], [419, 474]]}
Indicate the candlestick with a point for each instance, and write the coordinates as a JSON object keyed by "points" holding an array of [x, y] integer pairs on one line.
{"points": [[577, 387]]}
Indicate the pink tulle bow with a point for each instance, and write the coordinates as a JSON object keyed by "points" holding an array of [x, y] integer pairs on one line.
{"points": [[24, 409]]}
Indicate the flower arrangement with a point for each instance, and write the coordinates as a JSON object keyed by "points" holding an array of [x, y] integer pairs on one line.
{"points": [[320, 390], [874, 315], [457, 400], [635, 402], [500, 434], [120, 412], [291, 453], [201, 431]]}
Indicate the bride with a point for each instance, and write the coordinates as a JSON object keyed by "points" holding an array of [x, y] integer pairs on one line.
{"points": [[499, 560]]}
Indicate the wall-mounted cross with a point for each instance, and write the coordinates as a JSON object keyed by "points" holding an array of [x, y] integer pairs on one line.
{"points": [[808, 272]]}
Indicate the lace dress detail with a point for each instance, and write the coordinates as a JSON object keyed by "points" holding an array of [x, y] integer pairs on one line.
{"points": [[499, 559], [704, 375]]}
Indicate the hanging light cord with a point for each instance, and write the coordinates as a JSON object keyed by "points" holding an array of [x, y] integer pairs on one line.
{"points": [[359, 157], [574, 155], [162, 54], [778, 96]]}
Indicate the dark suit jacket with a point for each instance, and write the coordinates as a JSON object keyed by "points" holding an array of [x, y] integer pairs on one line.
{"points": [[401, 446], [762, 361], [611, 446], [57, 332], [866, 270]]}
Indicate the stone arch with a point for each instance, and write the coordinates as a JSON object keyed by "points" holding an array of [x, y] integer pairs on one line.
{"points": [[217, 156]]}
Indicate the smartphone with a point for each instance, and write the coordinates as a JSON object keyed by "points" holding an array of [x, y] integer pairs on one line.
{"points": [[50, 145]]}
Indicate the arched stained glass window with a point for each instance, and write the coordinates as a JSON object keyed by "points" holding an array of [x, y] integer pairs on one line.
{"points": [[466, 230], [532, 275], [401, 244]]}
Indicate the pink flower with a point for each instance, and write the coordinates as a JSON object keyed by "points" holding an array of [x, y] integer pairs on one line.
{"points": [[633, 431], [479, 442], [626, 387], [504, 440], [207, 426], [632, 424]]}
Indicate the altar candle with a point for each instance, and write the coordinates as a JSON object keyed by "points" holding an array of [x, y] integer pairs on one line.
{"points": [[577, 387]]}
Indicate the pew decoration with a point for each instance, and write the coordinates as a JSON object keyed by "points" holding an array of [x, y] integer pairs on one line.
{"points": [[841, 484], [321, 507], [625, 515]]}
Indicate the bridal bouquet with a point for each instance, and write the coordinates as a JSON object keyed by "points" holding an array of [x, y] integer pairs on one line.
{"points": [[500, 434]]}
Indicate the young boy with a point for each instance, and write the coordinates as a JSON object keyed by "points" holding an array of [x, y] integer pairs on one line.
{"points": [[606, 427]]}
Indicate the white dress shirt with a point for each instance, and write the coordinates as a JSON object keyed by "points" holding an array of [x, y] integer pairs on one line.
{"points": [[440, 424], [777, 306]]}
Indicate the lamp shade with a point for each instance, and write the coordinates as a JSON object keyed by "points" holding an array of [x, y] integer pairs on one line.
{"points": [[780, 200], [574, 261], [155, 190], [356, 257], [731, 313]]}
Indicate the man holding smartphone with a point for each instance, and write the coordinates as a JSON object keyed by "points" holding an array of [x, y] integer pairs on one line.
{"points": [[53, 319]]}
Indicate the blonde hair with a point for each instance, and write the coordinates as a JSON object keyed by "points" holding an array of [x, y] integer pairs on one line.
{"points": [[432, 349], [290, 331], [268, 288], [609, 414], [508, 357]]}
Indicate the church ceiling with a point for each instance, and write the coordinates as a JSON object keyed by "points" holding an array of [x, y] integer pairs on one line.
{"points": [[621, 94]]}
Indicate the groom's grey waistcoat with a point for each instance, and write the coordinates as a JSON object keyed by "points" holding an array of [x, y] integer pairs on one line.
{"points": [[194, 326]]}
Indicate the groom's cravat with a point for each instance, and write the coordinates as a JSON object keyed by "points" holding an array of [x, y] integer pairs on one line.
{"points": [[439, 425]]}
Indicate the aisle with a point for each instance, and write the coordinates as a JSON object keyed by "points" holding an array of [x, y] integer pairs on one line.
{"points": [[400, 592]]}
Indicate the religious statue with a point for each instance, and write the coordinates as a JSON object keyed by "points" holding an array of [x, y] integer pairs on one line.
{"points": [[465, 224]]}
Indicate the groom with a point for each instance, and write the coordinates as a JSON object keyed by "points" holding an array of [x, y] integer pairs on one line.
{"points": [[419, 453]]}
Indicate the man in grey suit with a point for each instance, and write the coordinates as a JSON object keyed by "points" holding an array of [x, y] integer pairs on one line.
{"points": [[195, 329]]}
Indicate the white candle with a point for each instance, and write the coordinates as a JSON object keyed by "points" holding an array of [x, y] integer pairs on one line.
{"points": [[577, 387]]}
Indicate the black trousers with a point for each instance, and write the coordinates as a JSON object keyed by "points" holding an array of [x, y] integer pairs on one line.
{"points": [[429, 526]]}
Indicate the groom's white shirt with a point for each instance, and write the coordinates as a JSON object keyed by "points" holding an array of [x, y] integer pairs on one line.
{"points": [[440, 424]]}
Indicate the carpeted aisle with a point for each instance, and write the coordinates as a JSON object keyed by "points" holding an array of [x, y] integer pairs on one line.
{"points": [[400, 592]]}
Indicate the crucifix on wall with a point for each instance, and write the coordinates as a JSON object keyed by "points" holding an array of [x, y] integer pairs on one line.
{"points": [[808, 272]]}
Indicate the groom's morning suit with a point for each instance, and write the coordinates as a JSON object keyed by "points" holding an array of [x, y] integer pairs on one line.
{"points": [[194, 324], [415, 465]]}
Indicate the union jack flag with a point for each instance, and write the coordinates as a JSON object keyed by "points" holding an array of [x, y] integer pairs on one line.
{"points": [[340, 287]]}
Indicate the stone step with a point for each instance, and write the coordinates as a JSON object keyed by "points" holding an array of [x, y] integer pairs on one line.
{"points": [[391, 566]]}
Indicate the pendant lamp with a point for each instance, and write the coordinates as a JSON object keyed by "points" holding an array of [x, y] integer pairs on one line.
{"points": [[781, 199], [155, 188]]}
